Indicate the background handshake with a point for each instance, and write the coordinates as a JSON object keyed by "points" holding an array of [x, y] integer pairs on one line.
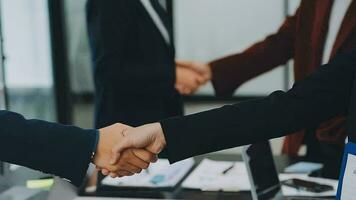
{"points": [[124, 151], [190, 75]]}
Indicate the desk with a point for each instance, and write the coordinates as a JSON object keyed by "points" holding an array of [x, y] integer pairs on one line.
{"points": [[58, 192]]}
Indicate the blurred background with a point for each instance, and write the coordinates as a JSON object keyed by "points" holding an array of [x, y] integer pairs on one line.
{"points": [[47, 70]]}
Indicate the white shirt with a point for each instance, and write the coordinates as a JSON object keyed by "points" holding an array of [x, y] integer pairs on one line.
{"points": [[337, 15], [156, 19]]}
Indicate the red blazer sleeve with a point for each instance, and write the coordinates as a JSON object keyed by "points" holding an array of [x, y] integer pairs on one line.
{"points": [[231, 71]]}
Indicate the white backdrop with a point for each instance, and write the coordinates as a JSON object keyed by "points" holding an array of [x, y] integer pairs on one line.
{"points": [[208, 29], [27, 48]]}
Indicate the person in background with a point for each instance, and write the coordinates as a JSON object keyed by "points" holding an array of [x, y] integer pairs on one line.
{"points": [[136, 78], [66, 151], [311, 37]]}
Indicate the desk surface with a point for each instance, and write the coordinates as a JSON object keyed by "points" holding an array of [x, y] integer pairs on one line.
{"points": [[64, 191], [181, 193]]}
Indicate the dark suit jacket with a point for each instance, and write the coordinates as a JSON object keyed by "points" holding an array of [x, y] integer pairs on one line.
{"points": [[65, 151], [134, 68], [321, 96], [301, 38]]}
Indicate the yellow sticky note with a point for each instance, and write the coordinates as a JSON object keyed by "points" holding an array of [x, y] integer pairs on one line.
{"points": [[40, 184]]}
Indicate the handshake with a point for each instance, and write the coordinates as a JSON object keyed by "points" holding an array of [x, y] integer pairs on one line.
{"points": [[190, 75], [124, 151]]}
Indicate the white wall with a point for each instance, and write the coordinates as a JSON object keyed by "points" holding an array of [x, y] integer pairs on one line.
{"points": [[26, 43], [209, 29]]}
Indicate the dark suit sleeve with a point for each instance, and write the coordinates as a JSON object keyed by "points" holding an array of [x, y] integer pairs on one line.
{"points": [[232, 71], [319, 97], [65, 151]]}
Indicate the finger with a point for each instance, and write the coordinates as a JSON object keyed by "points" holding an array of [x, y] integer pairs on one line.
{"points": [[180, 88], [113, 175], [118, 148], [200, 79], [184, 90], [125, 163], [187, 91], [124, 173], [143, 157], [133, 168], [183, 63], [196, 66], [105, 172], [114, 157]]}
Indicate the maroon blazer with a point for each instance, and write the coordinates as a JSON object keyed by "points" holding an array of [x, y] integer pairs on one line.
{"points": [[301, 38]]}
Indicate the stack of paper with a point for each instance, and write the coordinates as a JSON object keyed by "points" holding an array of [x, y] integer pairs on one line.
{"points": [[219, 175], [158, 175]]}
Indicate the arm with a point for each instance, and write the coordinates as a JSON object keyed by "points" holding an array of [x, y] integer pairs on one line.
{"points": [[56, 149], [322, 95], [319, 97], [230, 72], [66, 151]]}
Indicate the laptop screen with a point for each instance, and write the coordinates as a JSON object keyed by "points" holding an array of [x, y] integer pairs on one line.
{"points": [[262, 171]]}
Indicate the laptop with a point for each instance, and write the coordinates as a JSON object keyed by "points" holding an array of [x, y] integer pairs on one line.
{"points": [[263, 175]]}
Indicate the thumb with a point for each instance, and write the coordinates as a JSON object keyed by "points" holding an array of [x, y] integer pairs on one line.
{"points": [[155, 148], [117, 149]]}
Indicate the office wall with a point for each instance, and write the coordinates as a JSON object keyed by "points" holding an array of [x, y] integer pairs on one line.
{"points": [[209, 29], [28, 60], [26, 43]]}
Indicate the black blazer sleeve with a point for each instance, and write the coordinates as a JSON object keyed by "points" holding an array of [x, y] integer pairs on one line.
{"points": [[319, 97], [65, 151]]}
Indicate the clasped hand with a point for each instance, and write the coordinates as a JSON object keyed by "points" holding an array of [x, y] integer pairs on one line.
{"points": [[190, 75], [124, 151]]}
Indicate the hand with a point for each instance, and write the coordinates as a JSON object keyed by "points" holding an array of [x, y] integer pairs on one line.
{"points": [[131, 161], [149, 137], [187, 80], [201, 68]]}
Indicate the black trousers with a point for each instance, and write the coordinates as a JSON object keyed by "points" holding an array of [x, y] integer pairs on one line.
{"points": [[326, 153]]}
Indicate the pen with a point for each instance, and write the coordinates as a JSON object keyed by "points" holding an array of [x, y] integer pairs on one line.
{"points": [[228, 169]]}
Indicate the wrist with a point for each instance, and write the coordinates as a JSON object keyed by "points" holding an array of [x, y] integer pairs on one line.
{"points": [[157, 128]]}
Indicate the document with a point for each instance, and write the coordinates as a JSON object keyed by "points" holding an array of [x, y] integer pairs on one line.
{"points": [[349, 181], [213, 175], [159, 175], [289, 191], [303, 167]]}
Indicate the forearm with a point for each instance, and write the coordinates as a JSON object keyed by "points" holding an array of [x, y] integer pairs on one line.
{"points": [[321, 96], [46, 146], [232, 71]]}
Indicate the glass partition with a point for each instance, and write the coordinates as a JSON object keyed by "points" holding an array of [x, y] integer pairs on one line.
{"points": [[28, 62]]}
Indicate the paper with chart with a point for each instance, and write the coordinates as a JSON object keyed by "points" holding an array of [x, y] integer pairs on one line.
{"points": [[210, 176], [348, 185], [158, 175]]}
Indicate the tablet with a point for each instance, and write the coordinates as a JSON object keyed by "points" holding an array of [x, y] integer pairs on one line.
{"points": [[347, 181]]}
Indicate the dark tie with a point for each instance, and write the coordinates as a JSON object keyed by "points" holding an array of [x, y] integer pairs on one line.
{"points": [[162, 13]]}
